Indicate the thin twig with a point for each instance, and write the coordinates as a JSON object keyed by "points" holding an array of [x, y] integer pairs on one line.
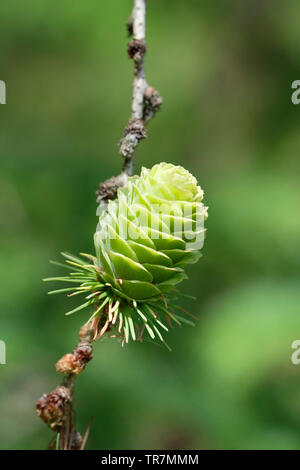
{"points": [[146, 101], [135, 129]]}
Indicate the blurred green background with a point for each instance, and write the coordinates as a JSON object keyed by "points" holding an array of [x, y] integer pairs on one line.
{"points": [[225, 70]]}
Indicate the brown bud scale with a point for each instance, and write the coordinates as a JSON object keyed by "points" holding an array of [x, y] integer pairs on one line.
{"points": [[51, 408], [75, 363]]}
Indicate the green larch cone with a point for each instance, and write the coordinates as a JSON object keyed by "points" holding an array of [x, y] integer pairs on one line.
{"points": [[144, 240], [147, 236]]}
